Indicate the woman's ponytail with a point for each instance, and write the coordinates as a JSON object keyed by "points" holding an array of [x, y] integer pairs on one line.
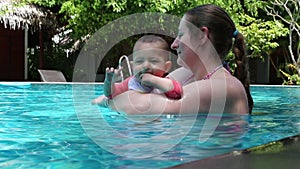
{"points": [[241, 71]]}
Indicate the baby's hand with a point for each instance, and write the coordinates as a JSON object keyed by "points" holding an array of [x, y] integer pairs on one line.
{"points": [[112, 74], [109, 73], [140, 74], [148, 79]]}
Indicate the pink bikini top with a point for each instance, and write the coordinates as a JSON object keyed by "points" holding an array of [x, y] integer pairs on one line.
{"points": [[205, 77]]}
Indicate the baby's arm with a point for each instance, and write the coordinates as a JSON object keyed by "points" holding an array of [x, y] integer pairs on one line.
{"points": [[111, 75], [112, 89], [170, 87], [108, 87], [163, 84]]}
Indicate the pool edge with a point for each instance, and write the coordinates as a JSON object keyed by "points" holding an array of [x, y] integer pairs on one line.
{"points": [[247, 158]]}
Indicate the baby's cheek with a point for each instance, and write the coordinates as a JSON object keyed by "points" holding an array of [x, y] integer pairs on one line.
{"points": [[135, 70]]}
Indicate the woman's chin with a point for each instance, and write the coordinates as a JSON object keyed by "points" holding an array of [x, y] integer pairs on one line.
{"points": [[180, 62]]}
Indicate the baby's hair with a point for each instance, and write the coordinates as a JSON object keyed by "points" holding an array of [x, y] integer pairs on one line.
{"points": [[154, 39], [160, 42]]}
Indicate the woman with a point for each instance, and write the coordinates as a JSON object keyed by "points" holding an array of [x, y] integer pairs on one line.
{"points": [[204, 39]]}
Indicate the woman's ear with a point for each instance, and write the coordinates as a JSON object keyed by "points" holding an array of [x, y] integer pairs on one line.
{"points": [[204, 34]]}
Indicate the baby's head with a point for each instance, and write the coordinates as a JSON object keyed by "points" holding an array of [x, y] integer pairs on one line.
{"points": [[151, 53]]}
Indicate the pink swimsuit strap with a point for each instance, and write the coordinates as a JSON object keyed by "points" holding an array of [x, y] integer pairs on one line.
{"points": [[212, 72], [205, 77]]}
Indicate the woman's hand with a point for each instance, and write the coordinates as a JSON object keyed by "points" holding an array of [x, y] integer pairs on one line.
{"points": [[101, 101]]}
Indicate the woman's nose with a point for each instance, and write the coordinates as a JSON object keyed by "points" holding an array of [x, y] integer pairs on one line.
{"points": [[174, 45]]}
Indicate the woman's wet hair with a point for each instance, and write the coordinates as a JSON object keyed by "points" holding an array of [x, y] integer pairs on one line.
{"points": [[222, 33], [242, 69]]}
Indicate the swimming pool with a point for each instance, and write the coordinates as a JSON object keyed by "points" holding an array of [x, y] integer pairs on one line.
{"points": [[40, 128]]}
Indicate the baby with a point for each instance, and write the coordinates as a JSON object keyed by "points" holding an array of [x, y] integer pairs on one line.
{"points": [[150, 66]]}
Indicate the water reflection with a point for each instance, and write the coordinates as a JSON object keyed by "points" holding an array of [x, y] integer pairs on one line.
{"points": [[227, 137]]}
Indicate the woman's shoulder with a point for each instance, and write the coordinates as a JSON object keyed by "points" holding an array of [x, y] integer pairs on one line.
{"points": [[236, 90], [233, 87], [236, 97], [234, 82]]}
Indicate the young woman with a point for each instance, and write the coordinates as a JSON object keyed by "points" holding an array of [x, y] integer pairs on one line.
{"points": [[206, 34]]}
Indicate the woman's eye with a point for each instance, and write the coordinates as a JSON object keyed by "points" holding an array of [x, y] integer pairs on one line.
{"points": [[180, 35]]}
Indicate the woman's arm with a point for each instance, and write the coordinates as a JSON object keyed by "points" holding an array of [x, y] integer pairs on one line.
{"points": [[132, 102], [215, 96]]}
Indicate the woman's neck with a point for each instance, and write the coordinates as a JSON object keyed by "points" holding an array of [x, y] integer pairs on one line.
{"points": [[208, 60], [202, 71]]}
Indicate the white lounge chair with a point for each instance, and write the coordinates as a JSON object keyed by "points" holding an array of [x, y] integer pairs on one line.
{"points": [[51, 76]]}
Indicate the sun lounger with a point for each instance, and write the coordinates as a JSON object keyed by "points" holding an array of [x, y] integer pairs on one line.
{"points": [[51, 76]]}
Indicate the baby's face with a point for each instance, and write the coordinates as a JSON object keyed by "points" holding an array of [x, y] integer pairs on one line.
{"points": [[147, 59]]}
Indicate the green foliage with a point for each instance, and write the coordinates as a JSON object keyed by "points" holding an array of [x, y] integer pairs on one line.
{"points": [[85, 17], [290, 74], [11, 7], [273, 147], [46, 3], [57, 59], [262, 35], [288, 11], [33, 62]]}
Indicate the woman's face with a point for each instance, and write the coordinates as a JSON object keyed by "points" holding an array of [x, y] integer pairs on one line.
{"points": [[182, 44]]}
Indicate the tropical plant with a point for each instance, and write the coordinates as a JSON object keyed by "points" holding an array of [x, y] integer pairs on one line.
{"points": [[291, 78], [85, 17], [288, 11]]}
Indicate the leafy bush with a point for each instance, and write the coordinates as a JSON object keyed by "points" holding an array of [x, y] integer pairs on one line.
{"points": [[292, 77]]}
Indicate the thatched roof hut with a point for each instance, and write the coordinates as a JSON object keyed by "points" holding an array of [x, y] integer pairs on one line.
{"points": [[15, 15], [16, 20]]}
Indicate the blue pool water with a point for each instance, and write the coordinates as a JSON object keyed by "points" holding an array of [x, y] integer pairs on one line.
{"points": [[55, 126]]}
